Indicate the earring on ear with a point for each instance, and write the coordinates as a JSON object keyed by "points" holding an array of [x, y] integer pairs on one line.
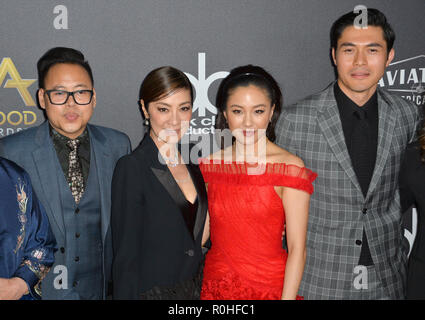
{"points": [[146, 122]]}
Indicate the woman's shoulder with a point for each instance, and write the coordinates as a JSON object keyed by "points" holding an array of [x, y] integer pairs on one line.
{"points": [[220, 155], [143, 151], [132, 163], [127, 160], [290, 167], [277, 154]]}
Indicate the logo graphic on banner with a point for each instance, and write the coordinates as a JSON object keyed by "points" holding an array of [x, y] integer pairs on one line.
{"points": [[203, 123], [13, 117], [201, 85], [8, 67], [406, 78]]}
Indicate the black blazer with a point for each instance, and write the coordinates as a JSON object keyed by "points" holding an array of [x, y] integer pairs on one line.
{"points": [[412, 192], [151, 243]]}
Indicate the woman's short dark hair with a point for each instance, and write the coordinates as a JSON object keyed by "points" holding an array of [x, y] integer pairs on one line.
{"points": [[60, 55], [374, 18], [245, 76], [162, 82]]}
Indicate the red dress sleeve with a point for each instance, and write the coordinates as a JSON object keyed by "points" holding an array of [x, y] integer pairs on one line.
{"points": [[293, 176], [276, 174]]}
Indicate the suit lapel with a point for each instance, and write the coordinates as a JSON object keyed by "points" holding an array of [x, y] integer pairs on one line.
{"points": [[164, 176], [386, 125], [167, 181], [102, 162], [330, 123], [44, 157]]}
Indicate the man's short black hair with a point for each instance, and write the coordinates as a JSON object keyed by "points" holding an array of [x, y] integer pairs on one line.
{"points": [[60, 55], [374, 18]]}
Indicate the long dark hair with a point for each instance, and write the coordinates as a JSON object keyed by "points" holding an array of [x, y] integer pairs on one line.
{"points": [[242, 77]]}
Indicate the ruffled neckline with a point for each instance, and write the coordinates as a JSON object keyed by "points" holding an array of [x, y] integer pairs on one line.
{"points": [[243, 173], [243, 167]]}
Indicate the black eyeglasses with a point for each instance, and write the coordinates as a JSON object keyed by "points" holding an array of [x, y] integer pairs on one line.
{"points": [[61, 96]]}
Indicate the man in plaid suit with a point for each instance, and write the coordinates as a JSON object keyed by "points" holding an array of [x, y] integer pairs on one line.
{"points": [[354, 245]]}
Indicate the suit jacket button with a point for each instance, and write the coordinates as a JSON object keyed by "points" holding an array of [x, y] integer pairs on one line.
{"points": [[358, 242], [364, 210], [62, 249], [77, 259], [190, 253], [77, 210]]}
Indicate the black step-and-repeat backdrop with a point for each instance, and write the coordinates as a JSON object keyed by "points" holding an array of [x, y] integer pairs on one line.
{"points": [[124, 40]]}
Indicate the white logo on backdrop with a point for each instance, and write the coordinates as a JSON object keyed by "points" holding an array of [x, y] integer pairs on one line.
{"points": [[201, 85], [407, 78]]}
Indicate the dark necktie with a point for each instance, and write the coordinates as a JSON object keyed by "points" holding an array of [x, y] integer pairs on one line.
{"points": [[363, 167], [75, 172]]}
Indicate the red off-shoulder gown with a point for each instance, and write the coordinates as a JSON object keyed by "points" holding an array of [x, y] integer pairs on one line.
{"points": [[246, 260]]}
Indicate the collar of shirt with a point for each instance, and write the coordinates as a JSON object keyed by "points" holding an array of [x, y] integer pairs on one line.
{"points": [[62, 140], [348, 107], [63, 151]]}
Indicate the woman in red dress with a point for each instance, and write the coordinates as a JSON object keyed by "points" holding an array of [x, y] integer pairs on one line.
{"points": [[254, 189]]}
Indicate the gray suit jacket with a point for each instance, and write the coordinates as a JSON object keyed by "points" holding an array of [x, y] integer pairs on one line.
{"points": [[312, 130], [33, 150]]}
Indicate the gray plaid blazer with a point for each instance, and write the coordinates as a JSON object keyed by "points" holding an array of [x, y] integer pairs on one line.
{"points": [[312, 130]]}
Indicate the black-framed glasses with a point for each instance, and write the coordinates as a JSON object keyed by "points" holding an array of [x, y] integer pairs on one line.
{"points": [[61, 96]]}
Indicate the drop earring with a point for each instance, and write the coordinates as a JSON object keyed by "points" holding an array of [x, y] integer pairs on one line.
{"points": [[146, 122]]}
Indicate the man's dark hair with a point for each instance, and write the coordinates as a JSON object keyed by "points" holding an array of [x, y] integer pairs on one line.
{"points": [[60, 55], [374, 18]]}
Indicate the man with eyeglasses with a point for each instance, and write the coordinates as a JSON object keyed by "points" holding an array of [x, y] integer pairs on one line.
{"points": [[71, 163]]}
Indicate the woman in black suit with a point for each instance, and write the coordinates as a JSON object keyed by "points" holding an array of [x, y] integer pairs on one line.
{"points": [[159, 201], [412, 193]]}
